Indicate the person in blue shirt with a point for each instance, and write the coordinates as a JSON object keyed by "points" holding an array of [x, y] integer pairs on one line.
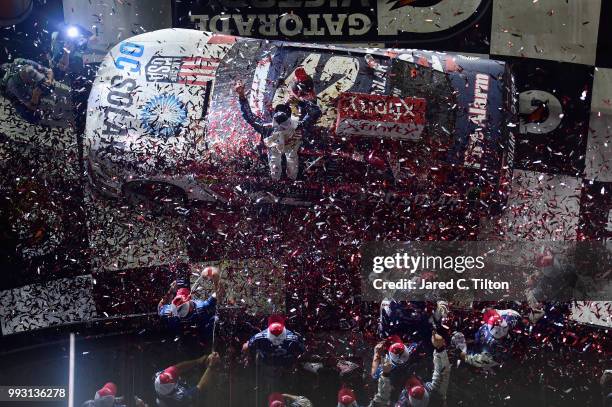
{"points": [[275, 346], [185, 314], [492, 342], [172, 391], [394, 351]]}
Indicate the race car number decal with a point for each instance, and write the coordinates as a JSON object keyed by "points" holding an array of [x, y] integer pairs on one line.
{"points": [[344, 68]]}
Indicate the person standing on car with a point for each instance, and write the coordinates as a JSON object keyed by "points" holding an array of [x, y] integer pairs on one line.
{"points": [[26, 81], [282, 135], [172, 391], [182, 312]]}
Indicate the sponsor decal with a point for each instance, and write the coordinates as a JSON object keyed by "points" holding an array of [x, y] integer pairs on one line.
{"points": [[130, 56], [119, 100], [381, 116], [181, 70], [163, 116], [540, 112], [379, 84], [346, 20], [477, 113]]}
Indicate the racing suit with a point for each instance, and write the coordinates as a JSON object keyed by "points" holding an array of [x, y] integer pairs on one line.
{"points": [[284, 138]]}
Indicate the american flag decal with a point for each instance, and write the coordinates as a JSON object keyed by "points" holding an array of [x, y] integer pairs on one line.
{"points": [[197, 70]]}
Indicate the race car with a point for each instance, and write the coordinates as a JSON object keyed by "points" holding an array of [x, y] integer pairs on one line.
{"points": [[165, 124]]}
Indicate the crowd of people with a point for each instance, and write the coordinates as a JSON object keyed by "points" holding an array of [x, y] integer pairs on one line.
{"points": [[418, 350], [410, 366]]}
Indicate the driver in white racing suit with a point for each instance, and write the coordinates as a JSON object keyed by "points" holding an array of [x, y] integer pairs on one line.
{"points": [[282, 135]]}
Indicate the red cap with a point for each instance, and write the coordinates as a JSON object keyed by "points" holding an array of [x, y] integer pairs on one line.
{"points": [[300, 74], [276, 324], [417, 392], [183, 295], [346, 396], [276, 400], [109, 389], [397, 347], [170, 375], [412, 381], [492, 318]]}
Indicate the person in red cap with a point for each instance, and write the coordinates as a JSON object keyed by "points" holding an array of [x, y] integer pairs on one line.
{"points": [[492, 340], [172, 391], [283, 134], [275, 346], [417, 393], [393, 350], [182, 312], [107, 397], [346, 398], [288, 400], [302, 87]]}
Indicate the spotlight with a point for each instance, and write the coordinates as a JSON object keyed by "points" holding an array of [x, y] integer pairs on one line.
{"points": [[72, 31]]}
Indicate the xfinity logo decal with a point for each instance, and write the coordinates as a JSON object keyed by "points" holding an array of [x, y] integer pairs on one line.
{"points": [[395, 108]]}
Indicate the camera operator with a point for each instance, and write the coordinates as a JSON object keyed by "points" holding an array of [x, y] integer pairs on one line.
{"points": [[26, 82]]}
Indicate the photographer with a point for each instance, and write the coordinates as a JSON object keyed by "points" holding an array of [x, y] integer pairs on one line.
{"points": [[26, 82]]}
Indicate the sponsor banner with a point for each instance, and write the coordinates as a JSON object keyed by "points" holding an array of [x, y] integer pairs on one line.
{"points": [[435, 22], [381, 116]]}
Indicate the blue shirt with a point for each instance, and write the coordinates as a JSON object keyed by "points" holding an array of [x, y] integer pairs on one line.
{"points": [[200, 320], [398, 369], [284, 354], [499, 349]]}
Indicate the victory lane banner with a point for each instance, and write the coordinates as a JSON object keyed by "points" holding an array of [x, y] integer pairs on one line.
{"points": [[486, 271], [397, 21]]}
